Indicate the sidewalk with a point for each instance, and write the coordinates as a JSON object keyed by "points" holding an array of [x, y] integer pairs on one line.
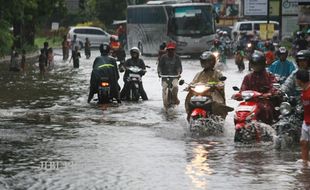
{"points": [[31, 58]]}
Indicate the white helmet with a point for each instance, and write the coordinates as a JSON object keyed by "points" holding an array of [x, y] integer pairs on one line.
{"points": [[225, 33], [135, 50]]}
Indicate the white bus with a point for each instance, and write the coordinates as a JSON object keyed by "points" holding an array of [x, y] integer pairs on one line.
{"points": [[190, 25]]}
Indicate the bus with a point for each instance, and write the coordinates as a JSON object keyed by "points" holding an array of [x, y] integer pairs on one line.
{"points": [[190, 25]]}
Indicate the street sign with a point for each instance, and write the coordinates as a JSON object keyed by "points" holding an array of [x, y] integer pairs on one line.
{"points": [[255, 7], [55, 26], [289, 8]]}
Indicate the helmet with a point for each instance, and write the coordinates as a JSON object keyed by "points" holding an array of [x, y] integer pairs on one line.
{"points": [[225, 33], [113, 38], [135, 50], [206, 58], [303, 55], [308, 31], [300, 34], [104, 48], [258, 58], [218, 30], [171, 45], [283, 50]]}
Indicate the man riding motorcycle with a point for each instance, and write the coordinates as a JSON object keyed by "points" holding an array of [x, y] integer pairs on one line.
{"points": [[104, 66], [133, 61], [217, 47], [289, 86], [282, 67], [209, 74], [170, 64], [261, 81]]}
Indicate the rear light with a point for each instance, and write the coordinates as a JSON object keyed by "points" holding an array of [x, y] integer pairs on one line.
{"points": [[104, 84]]}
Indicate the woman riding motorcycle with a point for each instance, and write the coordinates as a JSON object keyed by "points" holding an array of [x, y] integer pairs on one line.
{"points": [[209, 74], [261, 81]]}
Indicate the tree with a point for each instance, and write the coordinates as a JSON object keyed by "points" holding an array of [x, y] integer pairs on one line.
{"points": [[109, 10]]}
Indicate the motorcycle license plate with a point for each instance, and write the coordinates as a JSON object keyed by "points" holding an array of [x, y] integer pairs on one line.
{"points": [[134, 76]]}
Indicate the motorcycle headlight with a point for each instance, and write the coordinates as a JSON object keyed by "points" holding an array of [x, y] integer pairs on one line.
{"points": [[246, 95], [285, 108], [216, 54], [200, 88]]}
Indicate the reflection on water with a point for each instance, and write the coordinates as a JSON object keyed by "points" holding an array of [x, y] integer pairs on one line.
{"points": [[198, 168]]}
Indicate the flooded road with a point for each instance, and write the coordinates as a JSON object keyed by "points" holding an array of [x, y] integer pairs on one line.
{"points": [[50, 138]]}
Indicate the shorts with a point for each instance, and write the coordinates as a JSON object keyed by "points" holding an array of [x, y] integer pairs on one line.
{"points": [[305, 132]]}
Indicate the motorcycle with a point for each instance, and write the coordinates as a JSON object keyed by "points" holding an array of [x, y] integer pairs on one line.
{"points": [[134, 79], [288, 127], [168, 101], [202, 120], [220, 60], [247, 127]]}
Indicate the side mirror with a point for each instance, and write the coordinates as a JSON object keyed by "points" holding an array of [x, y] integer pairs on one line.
{"points": [[235, 88], [181, 82], [222, 78]]}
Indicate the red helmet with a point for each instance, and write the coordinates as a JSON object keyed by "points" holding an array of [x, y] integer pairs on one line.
{"points": [[171, 45], [216, 42]]}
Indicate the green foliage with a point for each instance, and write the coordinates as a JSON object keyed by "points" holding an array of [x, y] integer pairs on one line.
{"points": [[109, 10], [6, 38]]}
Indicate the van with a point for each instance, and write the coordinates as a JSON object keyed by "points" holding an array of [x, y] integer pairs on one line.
{"points": [[251, 26], [95, 35]]}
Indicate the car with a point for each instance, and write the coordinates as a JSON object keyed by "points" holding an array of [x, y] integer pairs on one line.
{"points": [[251, 26], [95, 35]]}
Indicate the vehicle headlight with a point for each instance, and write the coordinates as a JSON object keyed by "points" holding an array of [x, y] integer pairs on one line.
{"points": [[246, 95], [200, 88]]}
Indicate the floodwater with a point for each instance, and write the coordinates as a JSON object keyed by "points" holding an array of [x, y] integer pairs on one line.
{"points": [[50, 138]]}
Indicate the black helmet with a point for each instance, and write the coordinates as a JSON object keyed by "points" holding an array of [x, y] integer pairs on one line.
{"points": [[303, 55], [206, 58], [300, 34], [104, 48], [258, 58], [282, 51]]}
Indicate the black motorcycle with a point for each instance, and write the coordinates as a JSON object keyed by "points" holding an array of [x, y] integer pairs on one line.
{"points": [[104, 91], [134, 79], [289, 125]]}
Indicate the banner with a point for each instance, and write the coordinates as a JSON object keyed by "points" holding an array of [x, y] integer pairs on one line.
{"points": [[255, 7], [266, 31]]}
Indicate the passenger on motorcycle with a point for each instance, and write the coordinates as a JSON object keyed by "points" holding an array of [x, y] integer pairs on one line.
{"points": [[170, 64], [268, 49], [289, 86], [282, 68], [209, 74], [261, 81], [137, 62], [104, 66], [117, 50]]}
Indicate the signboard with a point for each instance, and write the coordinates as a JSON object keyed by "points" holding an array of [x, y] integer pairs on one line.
{"points": [[266, 31], [55, 26], [289, 8], [255, 7], [289, 25], [274, 8]]}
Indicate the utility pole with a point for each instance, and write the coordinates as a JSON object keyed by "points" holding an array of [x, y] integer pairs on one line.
{"points": [[280, 21]]}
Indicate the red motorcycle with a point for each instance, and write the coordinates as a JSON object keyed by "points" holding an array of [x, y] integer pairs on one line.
{"points": [[202, 120], [248, 129]]}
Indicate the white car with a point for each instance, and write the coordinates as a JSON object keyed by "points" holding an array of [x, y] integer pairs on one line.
{"points": [[95, 35]]}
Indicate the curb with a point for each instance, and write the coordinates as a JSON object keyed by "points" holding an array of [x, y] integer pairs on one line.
{"points": [[31, 58]]}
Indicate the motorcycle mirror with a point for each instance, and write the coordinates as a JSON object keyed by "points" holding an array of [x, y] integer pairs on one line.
{"points": [[181, 82], [235, 88], [147, 66], [222, 78]]}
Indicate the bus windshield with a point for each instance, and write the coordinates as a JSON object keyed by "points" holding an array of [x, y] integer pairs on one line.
{"points": [[191, 21]]}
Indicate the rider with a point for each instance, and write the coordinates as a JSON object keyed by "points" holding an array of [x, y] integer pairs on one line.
{"points": [[261, 81], [300, 42], [217, 47], [268, 49], [289, 86], [133, 61], [282, 67], [209, 74], [104, 66], [117, 49], [170, 64]]}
